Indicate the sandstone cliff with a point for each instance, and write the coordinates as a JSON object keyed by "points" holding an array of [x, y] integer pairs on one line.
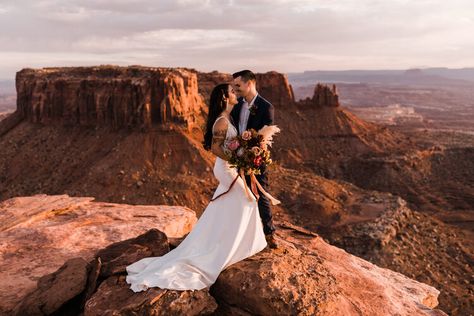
{"points": [[274, 86], [127, 97], [133, 96]]}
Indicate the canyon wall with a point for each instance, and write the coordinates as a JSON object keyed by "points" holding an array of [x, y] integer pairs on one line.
{"points": [[119, 97], [128, 97]]}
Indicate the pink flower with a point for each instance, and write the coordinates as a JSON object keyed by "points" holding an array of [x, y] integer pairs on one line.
{"points": [[246, 135], [257, 161], [233, 144]]}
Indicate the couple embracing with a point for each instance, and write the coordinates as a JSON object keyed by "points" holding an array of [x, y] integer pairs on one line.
{"points": [[234, 225]]}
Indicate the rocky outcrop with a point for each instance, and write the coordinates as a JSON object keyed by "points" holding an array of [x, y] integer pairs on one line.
{"points": [[114, 297], [306, 277], [378, 228], [311, 277], [120, 97], [4, 115], [86, 291], [323, 96], [9, 121], [39, 233], [274, 87], [58, 292]]}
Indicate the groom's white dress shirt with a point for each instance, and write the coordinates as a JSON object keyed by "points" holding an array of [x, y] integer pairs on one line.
{"points": [[244, 114]]}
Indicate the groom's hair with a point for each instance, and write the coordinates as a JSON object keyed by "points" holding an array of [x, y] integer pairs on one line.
{"points": [[246, 75]]}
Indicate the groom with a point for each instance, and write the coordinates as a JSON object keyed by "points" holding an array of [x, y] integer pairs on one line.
{"points": [[253, 111]]}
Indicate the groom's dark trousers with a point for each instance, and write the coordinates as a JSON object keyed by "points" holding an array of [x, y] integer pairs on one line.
{"points": [[264, 204]]}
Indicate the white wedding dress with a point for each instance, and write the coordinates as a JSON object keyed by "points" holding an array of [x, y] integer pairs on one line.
{"points": [[229, 230]]}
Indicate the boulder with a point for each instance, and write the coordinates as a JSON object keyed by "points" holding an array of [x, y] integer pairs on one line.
{"points": [[114, 297], [58, 292], [307, 276], [114, 258], [39, 233]]}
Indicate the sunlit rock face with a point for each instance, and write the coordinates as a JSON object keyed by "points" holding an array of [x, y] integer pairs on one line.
{"points": [[120, 97], [39, 233]]}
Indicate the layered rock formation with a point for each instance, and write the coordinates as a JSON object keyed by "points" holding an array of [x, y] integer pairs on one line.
{"points": [[39, 233], [307, 277], [120, 97], [127, 97], [274, 87], [381, 219], [323, 96], [321, 137]]}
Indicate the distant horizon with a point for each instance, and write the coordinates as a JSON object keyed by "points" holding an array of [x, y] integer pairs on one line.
{"points": [[289, 72]]}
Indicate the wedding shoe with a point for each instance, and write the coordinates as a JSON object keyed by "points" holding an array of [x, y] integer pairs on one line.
{"points": [[271, 241]]}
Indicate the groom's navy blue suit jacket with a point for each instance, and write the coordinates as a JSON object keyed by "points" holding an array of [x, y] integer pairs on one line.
{"points": [[264, 114]]}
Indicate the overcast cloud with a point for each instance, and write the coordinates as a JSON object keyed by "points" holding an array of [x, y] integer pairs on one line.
{"points": [[228, 35]]}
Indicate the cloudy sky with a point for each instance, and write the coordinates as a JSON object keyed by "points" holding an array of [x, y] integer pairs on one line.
{"points": [[228, 35]]}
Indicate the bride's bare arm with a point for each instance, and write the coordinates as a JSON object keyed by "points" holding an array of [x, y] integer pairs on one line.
{"points": [[218, 138]]}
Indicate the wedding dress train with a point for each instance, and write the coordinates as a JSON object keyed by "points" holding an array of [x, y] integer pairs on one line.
{"points": [[229, 230]]}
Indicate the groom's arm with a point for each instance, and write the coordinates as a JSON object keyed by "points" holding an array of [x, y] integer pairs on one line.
{"points": [[268, 115]]}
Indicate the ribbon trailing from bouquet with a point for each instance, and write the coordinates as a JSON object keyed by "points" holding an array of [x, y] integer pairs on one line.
{"points": [[230, 187], [254, 184]]}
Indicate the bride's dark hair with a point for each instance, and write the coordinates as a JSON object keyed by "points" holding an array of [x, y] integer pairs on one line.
{"points": [[217, 105]]}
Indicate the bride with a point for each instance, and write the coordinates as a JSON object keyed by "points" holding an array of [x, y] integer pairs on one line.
{"points": [[229, 230]]}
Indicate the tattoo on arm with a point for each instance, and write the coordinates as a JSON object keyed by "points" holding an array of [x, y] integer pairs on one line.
{"points": [[218, 136]]}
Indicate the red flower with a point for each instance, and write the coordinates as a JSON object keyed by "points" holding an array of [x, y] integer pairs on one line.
{"points": [[257, 161]]}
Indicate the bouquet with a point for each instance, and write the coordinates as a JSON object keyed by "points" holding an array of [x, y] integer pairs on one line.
{"points": [[249, 153]]}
